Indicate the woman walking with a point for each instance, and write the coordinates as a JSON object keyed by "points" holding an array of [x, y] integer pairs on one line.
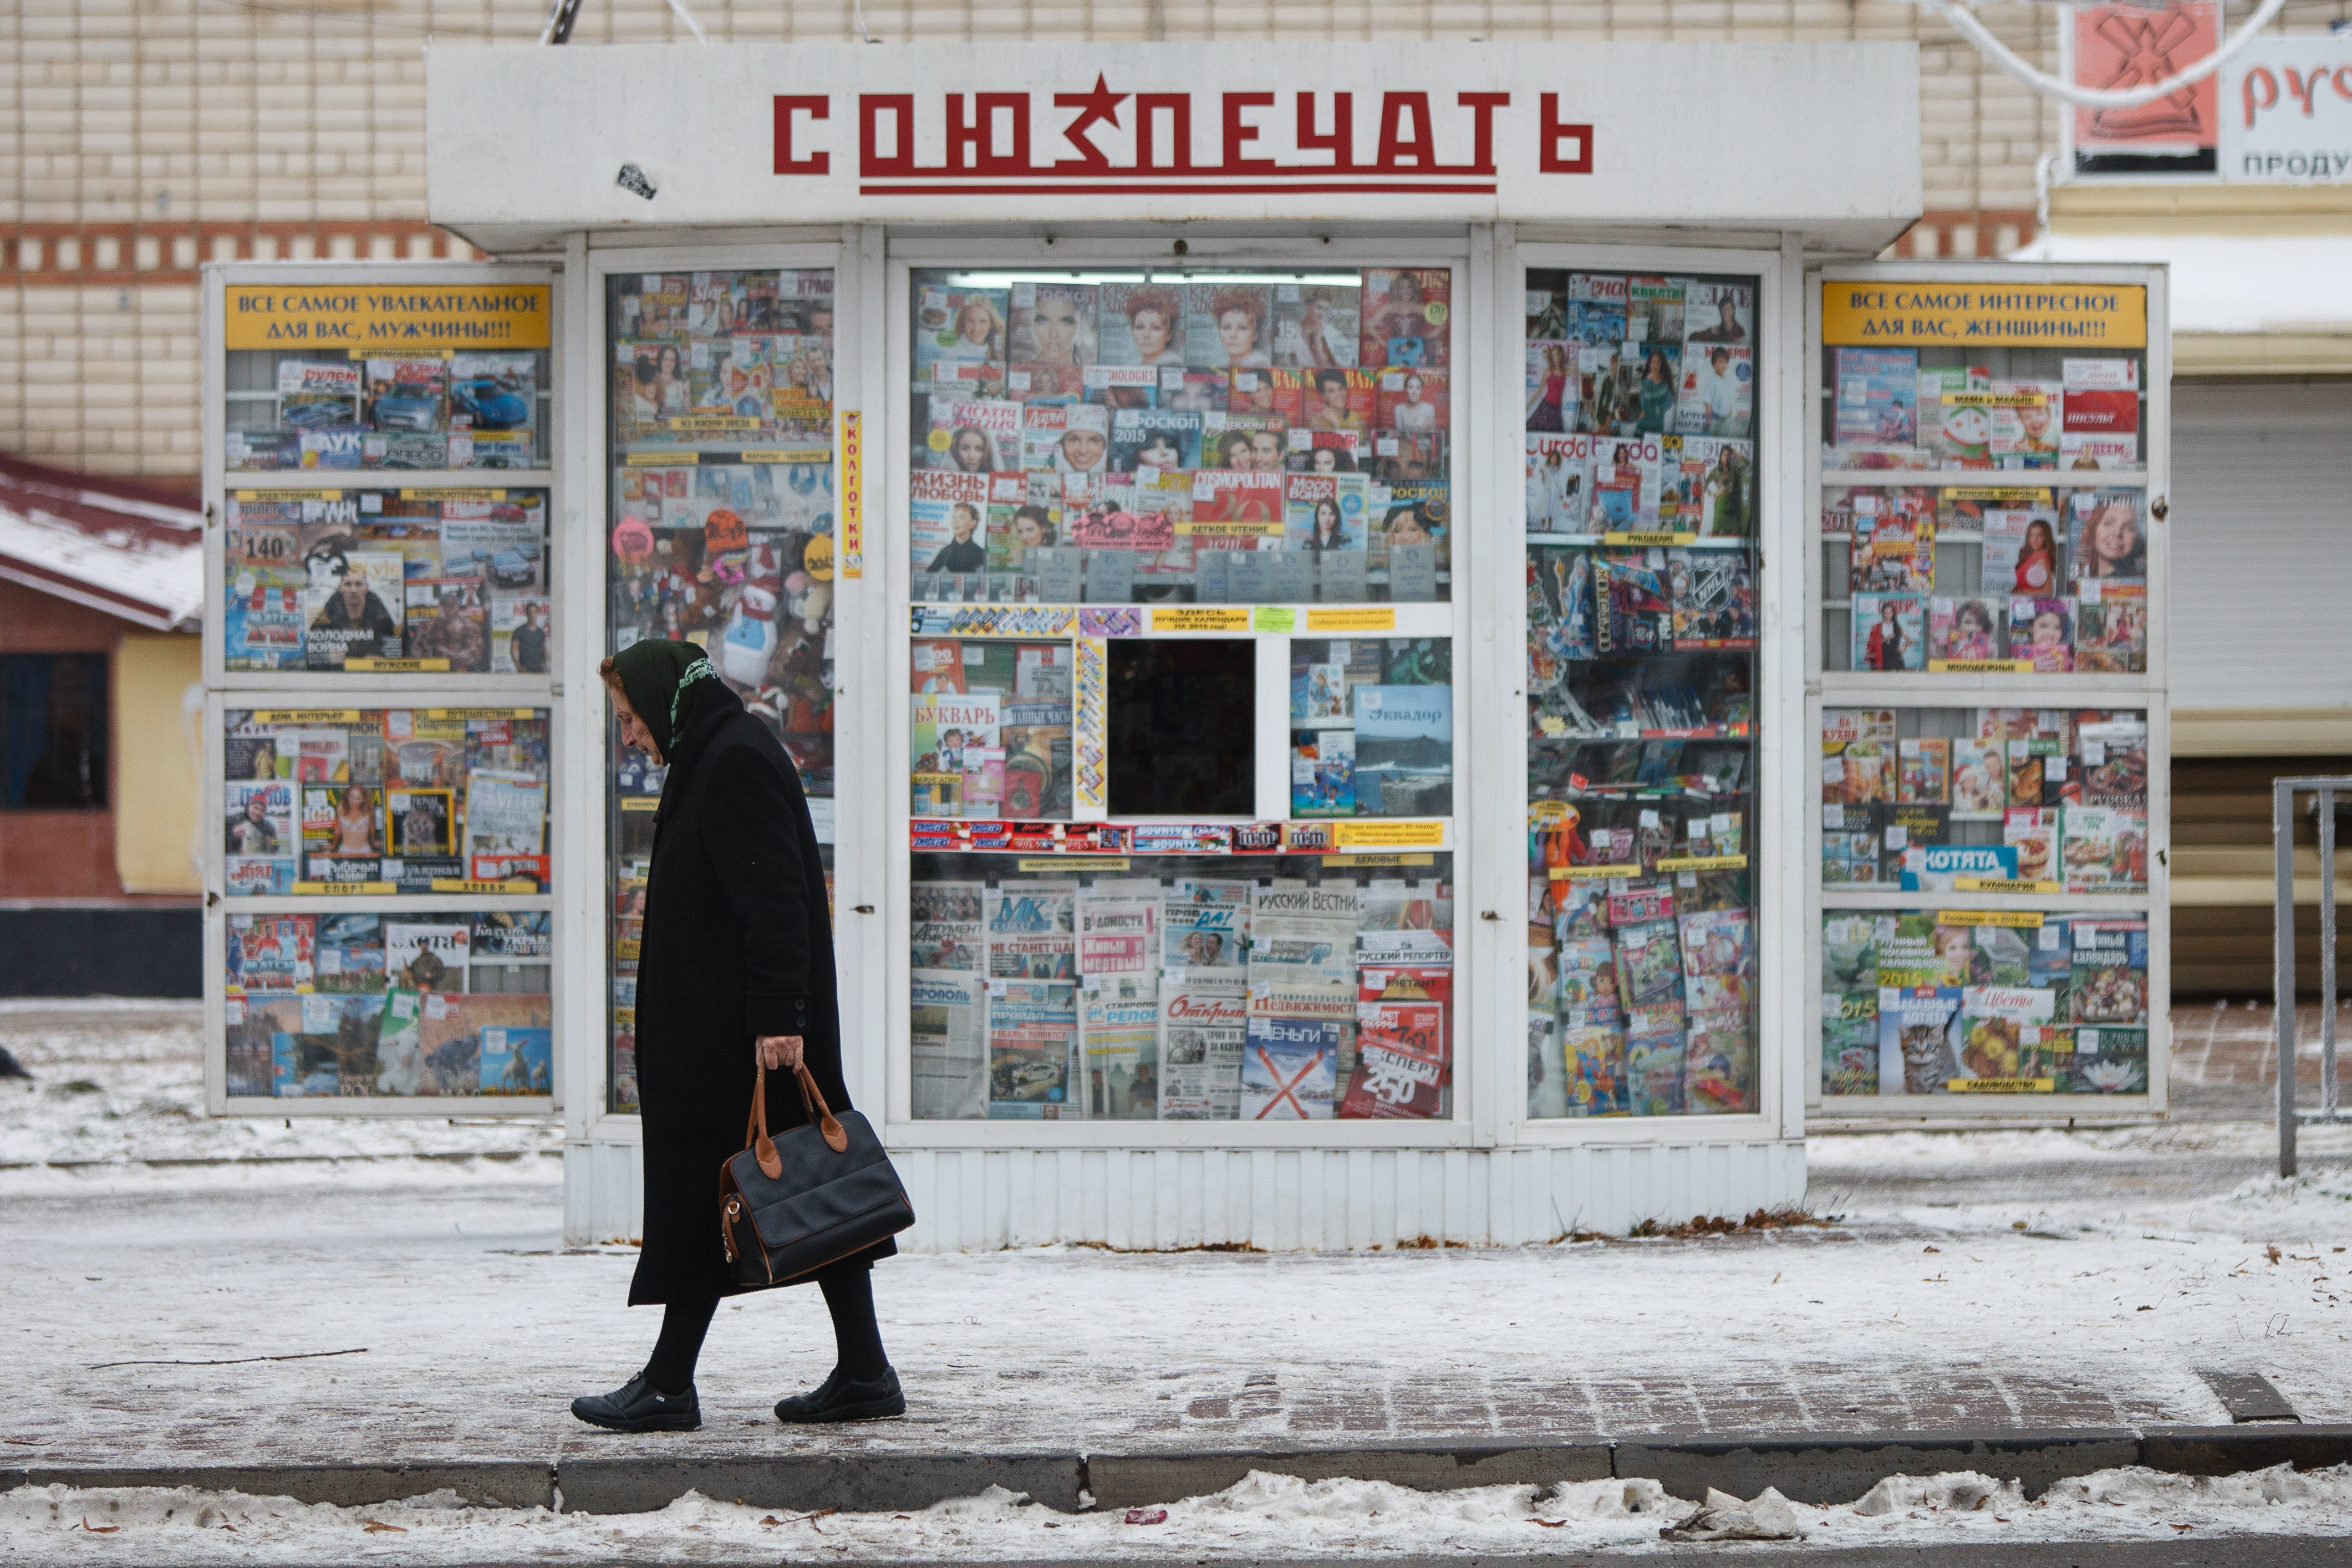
{"points": [[735, 969]]}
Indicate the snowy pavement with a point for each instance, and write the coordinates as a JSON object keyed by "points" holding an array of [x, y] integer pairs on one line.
{"points": [[1262, 1518], [1985, 1283]]}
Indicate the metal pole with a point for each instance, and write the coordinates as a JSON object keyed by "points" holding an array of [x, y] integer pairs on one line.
{"points": [[2282, 964], [2327, 952]]}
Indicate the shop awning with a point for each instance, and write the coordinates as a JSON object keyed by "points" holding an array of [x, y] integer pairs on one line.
{"points": [[2241, 304], [116, 545]]}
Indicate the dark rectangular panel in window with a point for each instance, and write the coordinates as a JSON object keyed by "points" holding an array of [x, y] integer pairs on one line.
{"points": [[1183, 728], [53, 732]]}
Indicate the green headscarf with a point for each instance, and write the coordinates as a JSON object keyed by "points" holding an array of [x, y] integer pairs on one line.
{"points": [[655, 674]]}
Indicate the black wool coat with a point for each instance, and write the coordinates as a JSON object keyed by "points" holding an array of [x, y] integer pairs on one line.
{"points": [[737, 942]]}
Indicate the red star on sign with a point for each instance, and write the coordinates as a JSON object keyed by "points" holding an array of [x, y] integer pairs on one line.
{"points": [[1099, 107]]}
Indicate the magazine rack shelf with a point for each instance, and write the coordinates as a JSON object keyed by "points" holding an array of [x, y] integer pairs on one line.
{"points": [[1987, 458], [383, 617]]}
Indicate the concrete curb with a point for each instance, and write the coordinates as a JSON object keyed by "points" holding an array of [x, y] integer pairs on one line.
{"points": [[1816, 1467]]}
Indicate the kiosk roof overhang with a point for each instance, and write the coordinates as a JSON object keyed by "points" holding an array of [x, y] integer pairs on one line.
{"points": [[1820, 139]]}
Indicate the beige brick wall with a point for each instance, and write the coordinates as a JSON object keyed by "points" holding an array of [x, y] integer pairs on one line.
{"points": [[140, 136]]}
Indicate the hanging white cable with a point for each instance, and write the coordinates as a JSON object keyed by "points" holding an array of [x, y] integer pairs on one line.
{"points": [[858, 6], [1964, 21], [700, 36]]}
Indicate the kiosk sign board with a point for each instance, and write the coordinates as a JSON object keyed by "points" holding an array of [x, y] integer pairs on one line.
{"points": [[988, 132]]}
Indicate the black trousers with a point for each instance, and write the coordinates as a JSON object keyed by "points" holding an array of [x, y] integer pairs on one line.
{"points": [[848, 1287]]}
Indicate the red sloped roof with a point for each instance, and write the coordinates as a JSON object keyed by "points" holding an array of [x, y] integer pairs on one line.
{"points": [[129, 549]]}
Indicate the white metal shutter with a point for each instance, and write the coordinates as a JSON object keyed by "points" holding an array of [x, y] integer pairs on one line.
{"points": [[2261, 545]]}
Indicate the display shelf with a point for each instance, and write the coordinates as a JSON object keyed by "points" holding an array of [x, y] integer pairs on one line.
{"points": [[1846, 896], [1642, 540], [2071, 688], [1987, 479], [1739, 733], [390, 479]]}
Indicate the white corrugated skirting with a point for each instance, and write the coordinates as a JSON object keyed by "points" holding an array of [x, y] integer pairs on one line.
{"points": [[1280, 1200]]}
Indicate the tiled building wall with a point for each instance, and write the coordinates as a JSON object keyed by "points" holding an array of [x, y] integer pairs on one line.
{"points": [[139, 137]]}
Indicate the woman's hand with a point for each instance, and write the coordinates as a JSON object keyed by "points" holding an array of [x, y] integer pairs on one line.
{"points": [[778, 1051]]}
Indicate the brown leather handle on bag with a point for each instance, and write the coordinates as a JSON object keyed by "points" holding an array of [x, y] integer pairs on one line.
{"points": [[763, 1147]]}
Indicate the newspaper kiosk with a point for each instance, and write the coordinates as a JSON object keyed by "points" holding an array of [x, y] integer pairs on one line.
{"points": [[1260, 559]]}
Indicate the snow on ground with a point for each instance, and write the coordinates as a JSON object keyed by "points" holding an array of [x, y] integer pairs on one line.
{"points": [[119, 1082], [1263, 1516], [1983, 1280]]}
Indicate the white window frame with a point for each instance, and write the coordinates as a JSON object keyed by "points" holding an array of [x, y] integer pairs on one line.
{"points": [[1776, 815], [1469, 349], [590, 764]]}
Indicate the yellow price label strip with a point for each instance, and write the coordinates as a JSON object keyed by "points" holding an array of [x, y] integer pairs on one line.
{"points": [[2023, 919], [1374, 620], [378, 889], [1704, 863]]}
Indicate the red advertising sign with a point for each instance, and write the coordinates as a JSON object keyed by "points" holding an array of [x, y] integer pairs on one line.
{"points": [[2120, 46]]}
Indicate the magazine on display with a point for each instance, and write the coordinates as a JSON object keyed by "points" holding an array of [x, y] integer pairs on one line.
{"points": [[2042, 632], [1714, 598], [958, 339], [1053, 323], [1889, 632], [1228, 324], [1316, 324], [1289, 1069], [2105, 540], [976, 435], [1032, 1043], [1205, 924], [1876, 401], [1301, 953], [1155, 439], [1033, 930], [949, 1045], [1894, 542], [1204, 1021], [1406, 319], [1119, 1023], [1404, 1053], [1558, 480]]}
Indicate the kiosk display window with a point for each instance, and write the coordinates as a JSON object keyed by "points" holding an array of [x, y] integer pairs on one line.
{"points": [[328, 409], [1991, 875], [1225, 986], [1643, 481], [1985, 799], [1926, 1001], [1194, 436], [385, 801], [432, 1003], [428, 581], [721, 533], [1984, 510], [1182, 836]]}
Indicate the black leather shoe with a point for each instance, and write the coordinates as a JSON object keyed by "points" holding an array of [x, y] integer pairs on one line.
{"points": [[635, 1407], [837, 1398]]}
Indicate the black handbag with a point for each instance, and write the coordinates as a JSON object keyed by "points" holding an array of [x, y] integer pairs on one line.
{"points": [[822, 1192]]}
